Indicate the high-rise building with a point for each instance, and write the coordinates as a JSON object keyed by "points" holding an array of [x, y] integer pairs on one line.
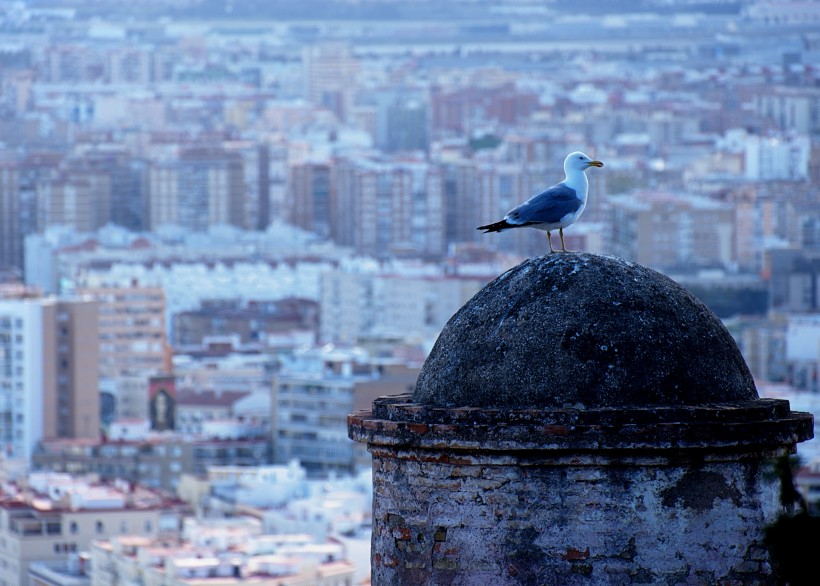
{"points": [[79, 197], [330, 70], [795, 275], [310, 186], [128, 178], [72, 63], [255, 160], [312, 398], [11, 241], [381, 208], [669, 231], [35, 168], [202, 188], [48, 371], [462, 212], [460, 111], [130, 64], [131, 327], [402, 120]]}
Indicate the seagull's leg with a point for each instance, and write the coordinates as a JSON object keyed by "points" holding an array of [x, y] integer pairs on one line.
{"points": [[561, 234], [549, 240]]}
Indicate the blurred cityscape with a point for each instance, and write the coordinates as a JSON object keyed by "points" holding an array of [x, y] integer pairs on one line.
{"points": [[225, 225]]}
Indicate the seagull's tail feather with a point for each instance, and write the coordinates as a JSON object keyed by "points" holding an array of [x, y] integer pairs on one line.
{"points": [[496, 227]]}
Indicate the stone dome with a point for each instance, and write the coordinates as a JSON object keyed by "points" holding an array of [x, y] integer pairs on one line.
{"points": [[583, 331]]}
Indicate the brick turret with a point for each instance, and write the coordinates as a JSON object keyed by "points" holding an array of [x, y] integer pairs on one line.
{"points": [[581, 420]]}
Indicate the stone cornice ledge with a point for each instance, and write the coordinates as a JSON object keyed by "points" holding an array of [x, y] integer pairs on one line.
{"points": [[757, 425]]}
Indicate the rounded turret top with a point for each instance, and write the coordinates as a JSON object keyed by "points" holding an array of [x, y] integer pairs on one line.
{"points": [[583, 331]]}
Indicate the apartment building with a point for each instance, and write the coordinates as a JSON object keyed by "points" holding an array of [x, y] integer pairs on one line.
{"points": [[330, 70], [80, 197], [668, 231], [47, 517], [203, 187], [252, 321], [393, 305], [48, 374], [391, 206], [155, 461], [231, 553], [313, 396], [11, 242], [131, 323], [196, 407], [310, 192]]}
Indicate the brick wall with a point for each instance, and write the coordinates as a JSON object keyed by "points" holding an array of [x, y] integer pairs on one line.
{"points": [[470, 519]]}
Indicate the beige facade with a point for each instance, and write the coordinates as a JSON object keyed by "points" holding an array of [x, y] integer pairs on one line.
{"points": [[242, 558], [330, 69], [204, 187], [42, 529], [668, 231], [132, 335], [81, 198], [48, 379], [77, 395]]}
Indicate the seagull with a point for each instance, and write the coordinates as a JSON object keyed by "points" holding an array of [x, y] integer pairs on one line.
{"points": [[556, 207]]}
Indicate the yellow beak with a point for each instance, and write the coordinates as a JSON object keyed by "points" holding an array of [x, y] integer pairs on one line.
{"points": [[595, 164]]}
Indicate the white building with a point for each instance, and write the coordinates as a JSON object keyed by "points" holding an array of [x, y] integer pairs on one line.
{"points": [[777, 158], [313, 394], [51, 517], [230, 553], [803, 351], [391, 303], [48, 373], [257, 486], [224, 262], [21, 378]]}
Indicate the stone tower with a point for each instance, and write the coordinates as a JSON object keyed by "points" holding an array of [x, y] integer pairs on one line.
{"points": [[581, 420]]}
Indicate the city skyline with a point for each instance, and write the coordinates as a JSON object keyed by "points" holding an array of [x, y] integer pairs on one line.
{"points": [[226, 225]]}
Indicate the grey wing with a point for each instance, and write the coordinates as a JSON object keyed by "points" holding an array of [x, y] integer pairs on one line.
{"points": [[546, 207]]}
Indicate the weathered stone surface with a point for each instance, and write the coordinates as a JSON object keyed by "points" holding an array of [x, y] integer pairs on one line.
{"points": [[581, 420], [573, 524], [764, 425], [582, 330]]}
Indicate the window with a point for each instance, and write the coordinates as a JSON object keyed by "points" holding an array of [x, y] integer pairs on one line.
{"points": [[73, 527], [100, 528]]}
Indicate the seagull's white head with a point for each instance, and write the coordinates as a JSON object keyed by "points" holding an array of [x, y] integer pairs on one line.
{"points": [[578, 161]]}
